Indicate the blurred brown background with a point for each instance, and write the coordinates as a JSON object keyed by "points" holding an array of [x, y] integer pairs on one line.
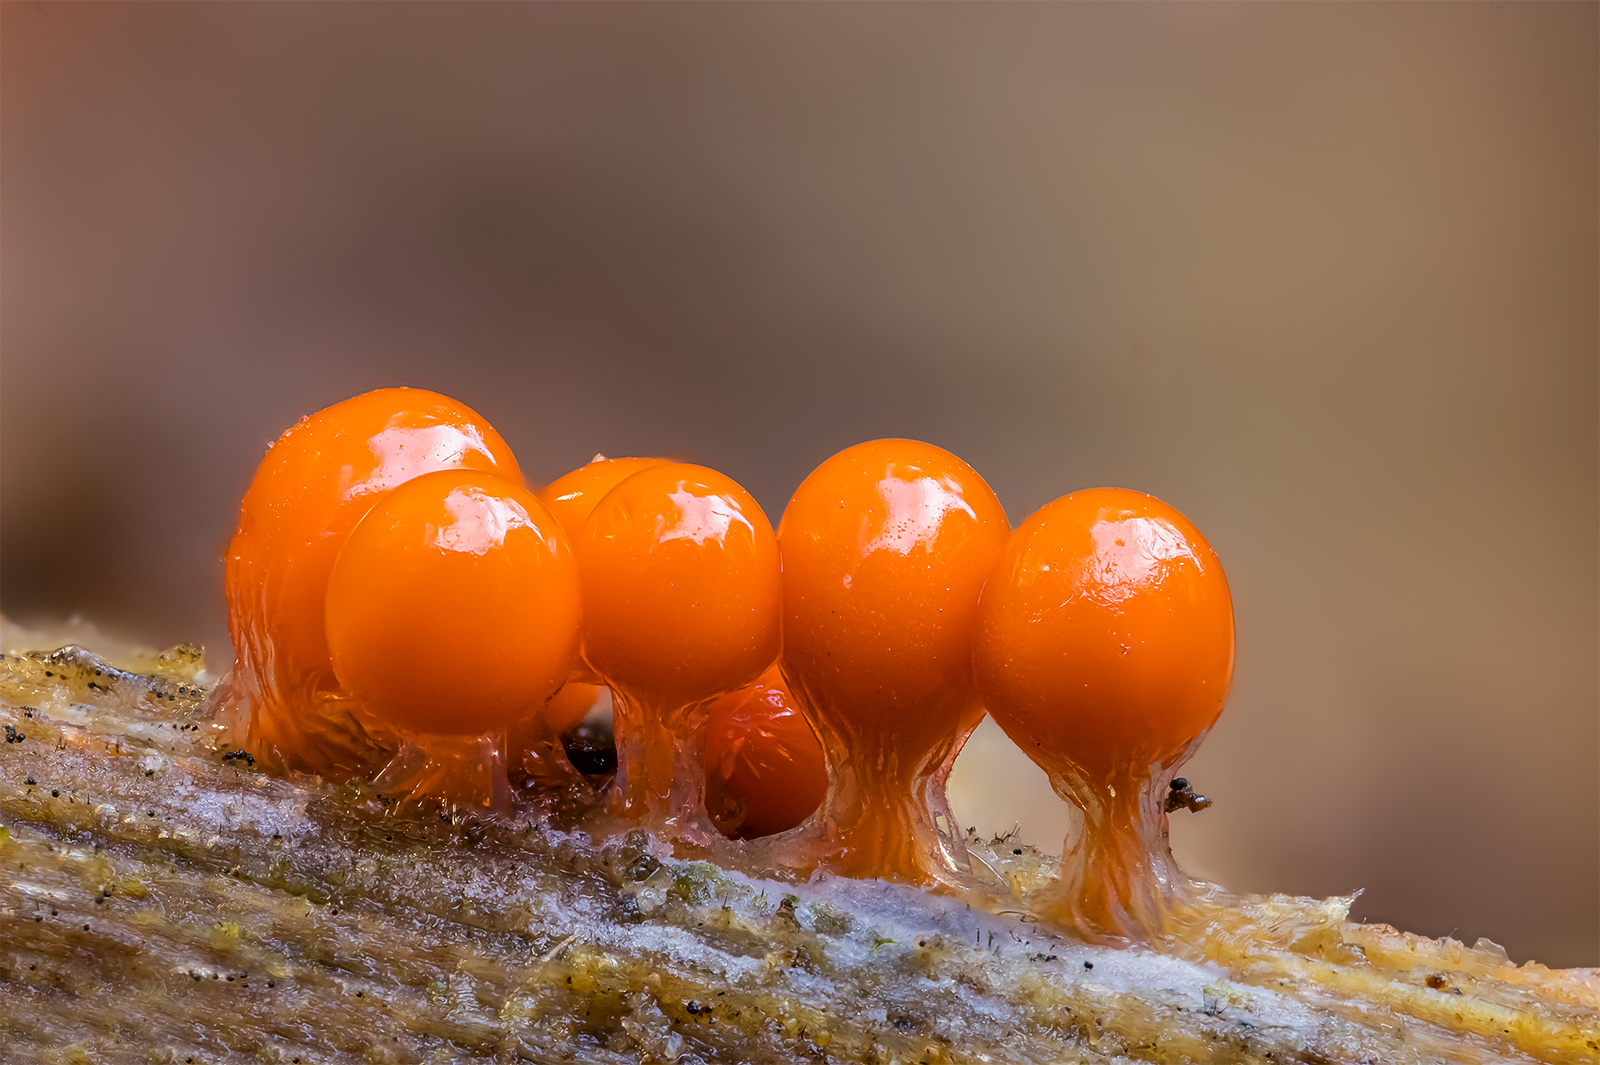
{"points": [[1323, 277]]}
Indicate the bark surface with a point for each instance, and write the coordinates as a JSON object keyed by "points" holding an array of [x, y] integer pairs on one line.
{"points": [[163, 901]]}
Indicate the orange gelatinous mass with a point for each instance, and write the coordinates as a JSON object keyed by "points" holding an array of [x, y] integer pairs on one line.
{"points": [[764, 767], [680, 604], [886, 546], [453, 607], [315, 483], [1105, 649]]}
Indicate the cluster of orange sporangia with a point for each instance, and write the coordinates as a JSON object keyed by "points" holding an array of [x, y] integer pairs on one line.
{"points": [[404, 607]]}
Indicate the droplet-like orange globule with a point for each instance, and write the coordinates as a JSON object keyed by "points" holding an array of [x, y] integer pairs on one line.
{"points": [[453, 607], [680, 579], [1105, 649], [765, 772], [315, 483], [886, 546]]}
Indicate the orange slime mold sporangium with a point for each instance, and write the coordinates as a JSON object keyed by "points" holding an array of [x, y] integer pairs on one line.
{"points": [[452, 614], [680, 604], [1105, 650], [886, 546], [765, 772], [315, 483]]}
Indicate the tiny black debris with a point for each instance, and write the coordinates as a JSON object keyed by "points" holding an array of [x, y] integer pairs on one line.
{"points": [[1181, 796]]}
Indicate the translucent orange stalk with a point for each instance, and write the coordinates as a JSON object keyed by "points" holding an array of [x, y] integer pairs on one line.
{"points": [[680, 604], [1105, 648], [886, 546]]}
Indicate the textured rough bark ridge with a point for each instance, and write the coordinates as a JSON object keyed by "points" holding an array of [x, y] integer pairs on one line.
{"points": [[163, 901]]}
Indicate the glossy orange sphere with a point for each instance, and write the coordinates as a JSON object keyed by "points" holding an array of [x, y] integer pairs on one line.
{"points": [[453, 606], [764, 767], [572, 496], [886, 546], [680, 584], [1105, 636], [312, 487]]}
